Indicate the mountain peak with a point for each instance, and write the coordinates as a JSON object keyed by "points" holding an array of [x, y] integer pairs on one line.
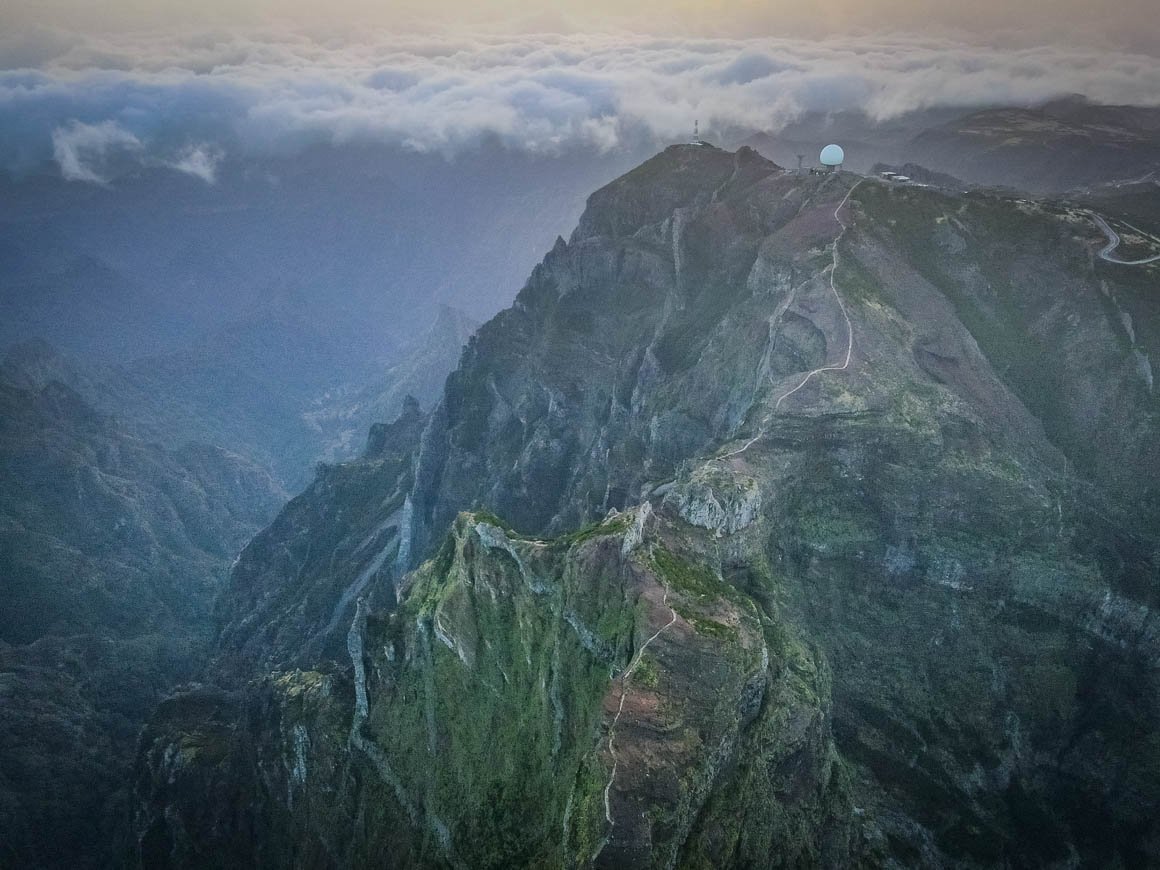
{"points": [[34, 363], [678, 177], [451, 321]]}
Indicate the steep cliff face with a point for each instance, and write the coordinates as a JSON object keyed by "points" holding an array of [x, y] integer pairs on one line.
{"points": [[345, 417], [634, 346], [871, 582], [602, 698], [295, 585]]}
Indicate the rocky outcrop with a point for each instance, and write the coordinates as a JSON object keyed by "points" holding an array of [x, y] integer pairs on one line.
{"points": [[296, 584]]}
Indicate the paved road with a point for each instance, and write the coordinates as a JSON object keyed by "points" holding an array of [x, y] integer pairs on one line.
{"points": [[1114, 242]]}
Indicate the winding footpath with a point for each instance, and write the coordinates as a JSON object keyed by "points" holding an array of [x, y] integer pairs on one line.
{"points": [[624, 685], [1114, 242], [826, 368], [842, 305]]}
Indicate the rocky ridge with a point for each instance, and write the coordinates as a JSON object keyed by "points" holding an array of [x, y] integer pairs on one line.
{"points": [[810, 523]]}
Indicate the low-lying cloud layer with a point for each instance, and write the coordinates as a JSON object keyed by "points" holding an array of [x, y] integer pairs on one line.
{"points": [[92, 105]]}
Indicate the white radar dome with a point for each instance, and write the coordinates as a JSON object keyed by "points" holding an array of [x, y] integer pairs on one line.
{"points": [[833, 155]]}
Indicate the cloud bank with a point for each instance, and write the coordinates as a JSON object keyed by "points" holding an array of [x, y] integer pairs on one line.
{"points": [[93, 104], [79, 148]]}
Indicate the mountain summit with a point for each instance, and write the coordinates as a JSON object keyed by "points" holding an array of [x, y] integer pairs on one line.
{"points": [[782, 521]]}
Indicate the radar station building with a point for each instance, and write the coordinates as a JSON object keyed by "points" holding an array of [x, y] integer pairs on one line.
{"points": [[832, 157]]}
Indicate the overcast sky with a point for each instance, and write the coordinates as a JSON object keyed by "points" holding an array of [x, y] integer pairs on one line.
{"points": [[187, 84], [1130, 24]]}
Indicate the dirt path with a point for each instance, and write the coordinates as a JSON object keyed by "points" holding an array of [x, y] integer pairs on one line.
{"points": [[624, 688], [845, 314], [826, 368]]}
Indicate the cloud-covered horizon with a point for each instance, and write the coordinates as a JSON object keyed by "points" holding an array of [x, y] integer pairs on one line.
{"points": [[1123, 25], [92, 103]]}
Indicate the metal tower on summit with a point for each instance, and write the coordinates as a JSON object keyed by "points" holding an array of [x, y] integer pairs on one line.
{"points": [[697, 140]]}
